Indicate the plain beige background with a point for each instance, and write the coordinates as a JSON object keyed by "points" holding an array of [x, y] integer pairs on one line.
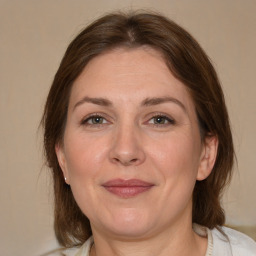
{"points": [[33, 37]]}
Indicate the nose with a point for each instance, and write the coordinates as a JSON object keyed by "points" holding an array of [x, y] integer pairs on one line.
{"points": [[127, 147]]}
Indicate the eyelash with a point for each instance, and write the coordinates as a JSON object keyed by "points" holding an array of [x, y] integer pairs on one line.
{"points": [[90, 118], [166, 118], [86, 121]]}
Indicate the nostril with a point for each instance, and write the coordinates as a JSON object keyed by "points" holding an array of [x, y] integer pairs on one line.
{"points": [[116, 159], [125, 161]]}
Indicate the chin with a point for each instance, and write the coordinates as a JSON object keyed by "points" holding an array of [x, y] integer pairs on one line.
{"points": [[130, 232], [130, 225]]}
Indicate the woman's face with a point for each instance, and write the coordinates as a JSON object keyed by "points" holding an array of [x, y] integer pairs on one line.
{"points": [[132, 150]]}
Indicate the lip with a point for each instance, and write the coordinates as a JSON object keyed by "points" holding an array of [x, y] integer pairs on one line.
{"points": [[127, 188]]}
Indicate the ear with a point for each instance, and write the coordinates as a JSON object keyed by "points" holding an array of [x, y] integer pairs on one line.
{"points": [[62, 161], [208, 156]]}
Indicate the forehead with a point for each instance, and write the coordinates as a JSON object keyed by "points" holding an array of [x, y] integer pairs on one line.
{"points": [[124, 73]]}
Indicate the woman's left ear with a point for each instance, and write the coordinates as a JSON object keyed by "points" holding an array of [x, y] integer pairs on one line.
{"points": [[208, 156]]}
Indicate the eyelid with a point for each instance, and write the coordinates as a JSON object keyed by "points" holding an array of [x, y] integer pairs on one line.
{"points": [[171, 120], [149, 117], [85, 119]]}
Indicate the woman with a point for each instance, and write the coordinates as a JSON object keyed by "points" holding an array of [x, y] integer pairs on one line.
{"points": [[139, 143]]}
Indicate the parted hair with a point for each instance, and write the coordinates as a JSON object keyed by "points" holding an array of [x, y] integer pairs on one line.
{"points": [[188, 63]]}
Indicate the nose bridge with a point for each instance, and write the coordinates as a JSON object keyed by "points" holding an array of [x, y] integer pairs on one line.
{"points": [[127, 147]]}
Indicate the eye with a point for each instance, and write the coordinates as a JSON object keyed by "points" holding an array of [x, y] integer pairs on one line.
{"points": [[161, 120], [94, 120]]}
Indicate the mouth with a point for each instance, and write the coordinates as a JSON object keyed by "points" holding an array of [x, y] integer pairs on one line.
{"points": [[127, 188]]}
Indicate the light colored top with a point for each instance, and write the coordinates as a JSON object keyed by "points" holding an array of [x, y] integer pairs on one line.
{"points": [[237, 244]]}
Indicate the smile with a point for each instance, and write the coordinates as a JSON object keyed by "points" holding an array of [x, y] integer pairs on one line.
{"points": [[127, 188]]}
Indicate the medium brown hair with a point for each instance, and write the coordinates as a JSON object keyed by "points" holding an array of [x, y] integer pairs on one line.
{"points": [[187, 62]]}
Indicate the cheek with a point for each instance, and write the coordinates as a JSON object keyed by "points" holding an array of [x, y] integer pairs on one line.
{"points": [[177, 155], [84, 155], [84, 159], [174, 161]]}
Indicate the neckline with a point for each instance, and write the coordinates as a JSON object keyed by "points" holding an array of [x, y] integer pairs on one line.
{"points": [[205, 232], [200, 230]]}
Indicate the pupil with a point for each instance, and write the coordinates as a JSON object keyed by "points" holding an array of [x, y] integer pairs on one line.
{"points": [[159, 120], [97, 120]]}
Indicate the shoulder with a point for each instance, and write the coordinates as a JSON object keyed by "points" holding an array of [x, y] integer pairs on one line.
{"points": [[84, 250], [234, 243]]}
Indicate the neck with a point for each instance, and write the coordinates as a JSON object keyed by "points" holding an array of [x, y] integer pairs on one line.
{"points": [[180, 241]]}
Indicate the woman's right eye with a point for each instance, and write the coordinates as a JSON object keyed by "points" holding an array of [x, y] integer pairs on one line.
{"points": [[94, 120]]}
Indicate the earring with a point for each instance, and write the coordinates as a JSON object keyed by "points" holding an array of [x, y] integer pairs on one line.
{"points": [[66, 180]]}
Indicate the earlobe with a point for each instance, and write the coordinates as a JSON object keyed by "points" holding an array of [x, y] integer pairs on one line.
{"points": [[62, 161], [208, 157]]}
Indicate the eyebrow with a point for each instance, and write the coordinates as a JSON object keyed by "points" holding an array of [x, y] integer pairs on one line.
{"points": [[160, 100], [147, 102], [98, 101]]}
